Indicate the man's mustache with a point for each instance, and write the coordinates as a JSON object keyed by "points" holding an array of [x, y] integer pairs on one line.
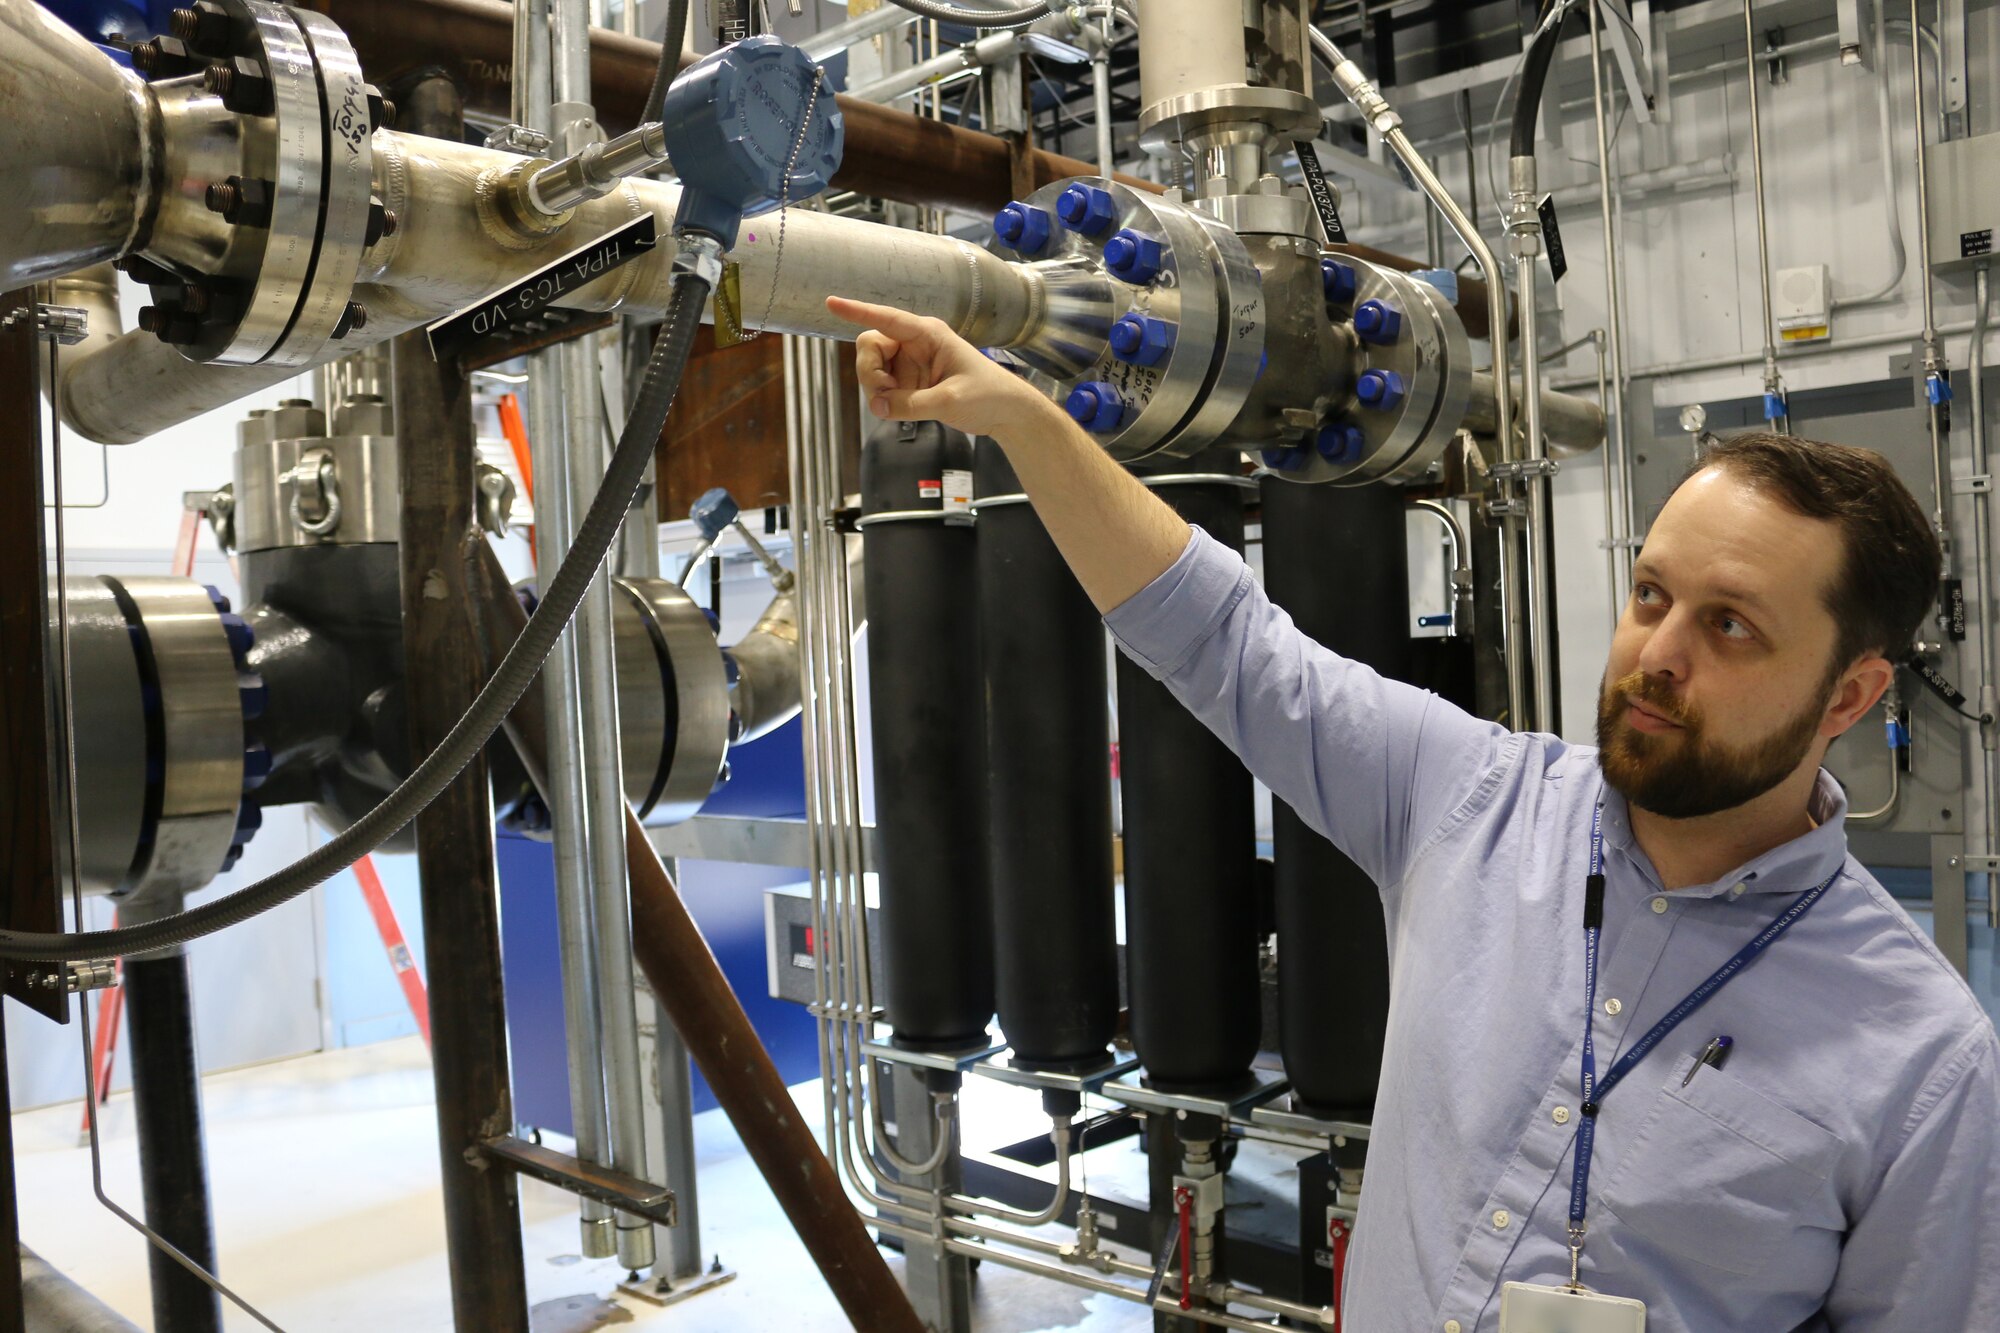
{"points": [[1658, 696]]}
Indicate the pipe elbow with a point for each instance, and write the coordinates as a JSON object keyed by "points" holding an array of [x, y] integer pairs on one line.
{"points": [[767, 662]]}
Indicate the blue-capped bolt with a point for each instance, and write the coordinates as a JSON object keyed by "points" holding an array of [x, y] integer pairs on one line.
{"points": [[1133, 256], [1289, 458], [1379, 389], [1339, 280], [1378, 323], [1341, 442], [241, 636], [1087, 209], [256, 765], [1141, 339], [252, 695], [1096, 407], [1022, 228], [713, 511]]}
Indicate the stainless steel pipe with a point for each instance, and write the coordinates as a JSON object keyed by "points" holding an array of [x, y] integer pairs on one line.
{"points": [[1773, 384], [1617, 458]]}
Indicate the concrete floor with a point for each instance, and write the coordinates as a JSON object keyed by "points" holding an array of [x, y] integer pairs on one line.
{"points": [[325, 1178]]}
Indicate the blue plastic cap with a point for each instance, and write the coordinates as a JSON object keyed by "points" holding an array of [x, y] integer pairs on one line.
{"points": [[1339, 280], [1288, 459], [733, 122], [1096, 406], [1899, 735], [1087, 209], [1141, 339], [1378, 323], [1774, 406], [1133, 256], [1444, 279], [1341, 442], [1938, 389], [713, 511], [1022, 228], [1379, 389]]}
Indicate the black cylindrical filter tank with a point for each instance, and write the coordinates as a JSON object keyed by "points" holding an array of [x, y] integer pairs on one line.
{"points": [[1336, 559], [929, 731], [1049, 797], [1190, 853]]}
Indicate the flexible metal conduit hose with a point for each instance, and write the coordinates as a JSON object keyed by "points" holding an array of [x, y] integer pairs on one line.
{"points": [[979, 18], [594, 538]]}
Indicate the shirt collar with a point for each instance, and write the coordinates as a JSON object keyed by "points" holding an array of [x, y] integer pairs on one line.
{"points": [[1791, 867]]}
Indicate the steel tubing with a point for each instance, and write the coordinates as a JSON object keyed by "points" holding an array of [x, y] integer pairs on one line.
{"points": [[1772, 383], [683, 973], [1617, 458], [1540, 605]]}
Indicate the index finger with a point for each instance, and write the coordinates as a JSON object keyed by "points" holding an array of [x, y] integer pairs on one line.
{"points": [[897, 323]]}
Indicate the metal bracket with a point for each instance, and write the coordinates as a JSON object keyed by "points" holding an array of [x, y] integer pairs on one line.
{"points": [[73, 977], [1527, 467], [67, 324], [1979, 483], [1976, 863], [520, 139], [1506, 508], [627, 1194]]}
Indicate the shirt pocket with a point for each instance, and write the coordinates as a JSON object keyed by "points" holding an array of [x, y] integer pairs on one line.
{"points": [[1718, 1173]]}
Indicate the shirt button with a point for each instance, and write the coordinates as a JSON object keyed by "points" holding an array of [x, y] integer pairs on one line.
{"points": [[1659, 906], [1560, 1115], [1500, 1219], [1451, 1326], [1612, 1007], [1737, 892]]}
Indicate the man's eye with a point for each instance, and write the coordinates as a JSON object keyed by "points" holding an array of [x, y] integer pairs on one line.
{"points": [[1732, 628], [1647, 595]]}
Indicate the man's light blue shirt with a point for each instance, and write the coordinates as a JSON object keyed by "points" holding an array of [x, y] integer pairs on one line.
{"points": [[1842, 1172]]}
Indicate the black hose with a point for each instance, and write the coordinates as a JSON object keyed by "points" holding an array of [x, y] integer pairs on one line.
{"points": [[672, 39], [1528, 97], [496, 700], [975, 18]]}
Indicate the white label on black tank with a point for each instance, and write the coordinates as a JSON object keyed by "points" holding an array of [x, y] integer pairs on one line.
{"points": [[957, 491]]}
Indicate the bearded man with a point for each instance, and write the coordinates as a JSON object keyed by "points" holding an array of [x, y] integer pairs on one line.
{"points": [[1809, 1137]]}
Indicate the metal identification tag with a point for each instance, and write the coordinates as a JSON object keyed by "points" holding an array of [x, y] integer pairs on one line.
{"points": [[1526, 1308]]}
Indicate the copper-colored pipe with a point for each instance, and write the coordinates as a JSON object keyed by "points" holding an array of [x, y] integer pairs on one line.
{"points": [[684, 975], [890, 154]]}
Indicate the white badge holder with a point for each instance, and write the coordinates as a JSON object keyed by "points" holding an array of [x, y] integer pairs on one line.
{"points": [[1526, 1308]]}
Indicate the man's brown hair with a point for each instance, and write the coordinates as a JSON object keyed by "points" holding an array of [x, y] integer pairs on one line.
{"points": [[1888, 577]]}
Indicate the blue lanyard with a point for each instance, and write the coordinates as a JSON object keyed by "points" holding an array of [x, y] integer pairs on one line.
{"points": [[1595, 1092]]}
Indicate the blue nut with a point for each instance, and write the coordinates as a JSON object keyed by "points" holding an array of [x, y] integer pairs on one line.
{"points": [[1339, 280], [713, 511], [1087, 209], [1341, 442], [1290, 458], [1378, 323], [1379, 389], [714, 621], [241, 637], [1096, 406], [1133, 256], [1022, 228], [1141, 339], [731, 672], [215, 596]]}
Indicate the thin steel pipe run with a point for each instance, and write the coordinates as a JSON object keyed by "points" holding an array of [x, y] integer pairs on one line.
{"points": [[1100, 95], [1773, 384], [1982, 565], [1617, 514], [1934, 363]]}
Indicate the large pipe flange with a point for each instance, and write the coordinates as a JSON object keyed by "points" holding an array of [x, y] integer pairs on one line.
{"points": [[1150, 321], [673, 699], [164, 747], [286, 164]]}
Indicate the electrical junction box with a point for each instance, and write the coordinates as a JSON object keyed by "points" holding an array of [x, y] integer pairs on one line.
{"points": [[1802, 303], [1964, 200]]}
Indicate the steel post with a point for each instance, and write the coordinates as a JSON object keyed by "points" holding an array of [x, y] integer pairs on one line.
{"points": [[461, 903], [173, 1159]]}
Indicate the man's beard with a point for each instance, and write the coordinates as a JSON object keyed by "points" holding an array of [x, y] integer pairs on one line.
{"points": [[1686, 774]]}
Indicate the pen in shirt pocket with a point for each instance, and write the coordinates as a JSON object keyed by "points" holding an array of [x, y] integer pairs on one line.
{"points": [[1714, 1053]]}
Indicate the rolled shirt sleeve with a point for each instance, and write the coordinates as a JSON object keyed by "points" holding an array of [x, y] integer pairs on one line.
{"points": [[1373, 764]]}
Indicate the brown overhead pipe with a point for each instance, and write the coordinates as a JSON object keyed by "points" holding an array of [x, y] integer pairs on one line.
{"points": [[890, 154], [684, 975]]}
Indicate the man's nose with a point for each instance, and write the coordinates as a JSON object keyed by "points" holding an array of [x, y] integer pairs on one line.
{"points": [[1667, 650]]}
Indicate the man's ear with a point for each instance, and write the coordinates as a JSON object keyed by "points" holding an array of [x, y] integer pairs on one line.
{"points": [[1860, 687]]}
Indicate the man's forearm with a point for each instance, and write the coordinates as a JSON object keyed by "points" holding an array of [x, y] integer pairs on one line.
{"points": [[1116, 535]]}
